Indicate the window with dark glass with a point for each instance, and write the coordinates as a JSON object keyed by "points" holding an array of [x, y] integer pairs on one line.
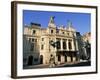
{"points": [[64, 44], [32, 39], [62, 32], [59, 58], [68, 34], [58, 44], [34, 31], [69, 44], [29, 39], [42, 46], [35, 40], [32, 47], [42, 39], [36, 59], [51, 31]]}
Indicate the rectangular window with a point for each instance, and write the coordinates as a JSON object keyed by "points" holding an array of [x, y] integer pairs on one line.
{"points": [[63, 33], [58, 44], [64, 44], [59, 57], [51, 31], [29, 39], [70, 45], [32, 39], [68, 34], [42, 46], [34, 31], [36, 59], [42, 39], [35, 40], [32, 47]]}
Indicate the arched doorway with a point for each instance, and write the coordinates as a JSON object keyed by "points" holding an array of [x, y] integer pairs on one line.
{"points": [[41, 59], [30, 60]]}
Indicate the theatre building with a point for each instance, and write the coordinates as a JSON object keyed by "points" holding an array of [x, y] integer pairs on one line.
{"points": [[62, 42]]}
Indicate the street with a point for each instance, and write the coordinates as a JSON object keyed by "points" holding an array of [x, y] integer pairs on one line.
{"points": [[73, 64]]}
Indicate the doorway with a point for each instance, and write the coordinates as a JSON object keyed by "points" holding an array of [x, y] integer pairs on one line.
{"points": [[30, 60], [65, 58], [41, 59], [59, 58]]}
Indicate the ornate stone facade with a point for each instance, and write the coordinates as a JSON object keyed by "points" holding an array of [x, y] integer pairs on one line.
{"points": [[63, 43]]}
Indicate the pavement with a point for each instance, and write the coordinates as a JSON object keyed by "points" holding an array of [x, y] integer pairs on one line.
{"points": [[67, 64]]}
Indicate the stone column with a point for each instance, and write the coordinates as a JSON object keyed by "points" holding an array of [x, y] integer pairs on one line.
{"points": [[62, 59], [61, 44], [76, 45], [68, 59], [67, 45], [55, 52], [73, 46], [55, 47]]}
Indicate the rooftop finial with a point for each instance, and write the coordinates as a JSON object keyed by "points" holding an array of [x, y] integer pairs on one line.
{"points": [[52, 19], [51, 22]]}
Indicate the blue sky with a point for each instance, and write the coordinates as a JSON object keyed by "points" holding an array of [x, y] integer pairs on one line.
{"points": [[80, 21]]}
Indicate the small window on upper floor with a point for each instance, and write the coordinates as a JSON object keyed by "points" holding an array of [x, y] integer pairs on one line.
{"points": [[29, 39], [35, 40], [42, 39], [42, 47], [63, 33], [32, 39], [68, 34], [34, 31], [51, 31]]}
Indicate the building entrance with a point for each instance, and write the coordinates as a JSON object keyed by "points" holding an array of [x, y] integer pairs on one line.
{"points": [[30, 60], [65, 58], [41, 59]]}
